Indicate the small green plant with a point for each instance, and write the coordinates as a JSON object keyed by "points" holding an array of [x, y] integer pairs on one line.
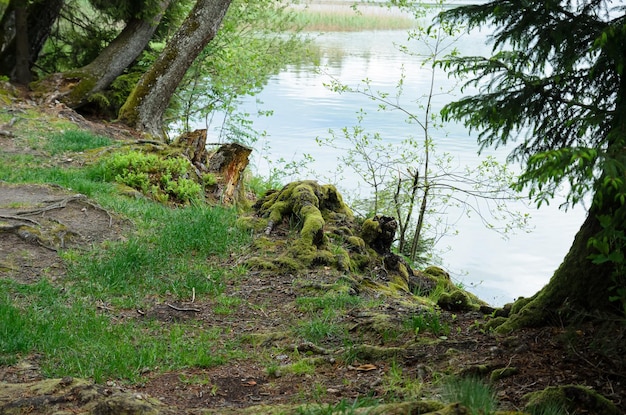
{"points": [[332, 300], [427, 321], [209, 179], [272, 370], [75, 141], [549, 409], [400, 386], [472, 393], [320, 328], [224, 304], [302, 367], [165, 179], [343, 407]]}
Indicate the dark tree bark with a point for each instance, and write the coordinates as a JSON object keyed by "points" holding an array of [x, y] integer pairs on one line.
{"points": [[41, 16], [22, 56], [147, 103]]}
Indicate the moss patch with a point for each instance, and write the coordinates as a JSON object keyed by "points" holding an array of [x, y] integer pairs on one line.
{"points": [[574, 398]]}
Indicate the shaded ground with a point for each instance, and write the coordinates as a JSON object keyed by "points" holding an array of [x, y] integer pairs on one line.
{"points": [[38, 221]]}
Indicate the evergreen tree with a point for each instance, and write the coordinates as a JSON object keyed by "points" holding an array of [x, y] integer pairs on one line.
{"points": [[555, 88]]}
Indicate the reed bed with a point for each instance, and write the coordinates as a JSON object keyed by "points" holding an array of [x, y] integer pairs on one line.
{"points": [[337, 17]]}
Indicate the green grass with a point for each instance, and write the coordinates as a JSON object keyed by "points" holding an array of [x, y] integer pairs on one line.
{"points": [[400, 387], [168, 253], [75, 141], [320, 328], [472, 393], [343, 407], [332, 300], [74, 339], [170, 257], [427, 321]]}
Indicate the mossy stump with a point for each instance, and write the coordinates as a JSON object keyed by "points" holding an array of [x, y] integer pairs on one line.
{"points": [[314, 209]]}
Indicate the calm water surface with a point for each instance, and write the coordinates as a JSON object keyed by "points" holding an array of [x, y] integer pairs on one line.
{"points": [[497, 270]]}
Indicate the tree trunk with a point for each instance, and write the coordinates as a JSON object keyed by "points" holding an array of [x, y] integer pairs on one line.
{"points": [[115, 58], [110, 63], [22, 60], [146, 104], [578, 287], [41, 16]]}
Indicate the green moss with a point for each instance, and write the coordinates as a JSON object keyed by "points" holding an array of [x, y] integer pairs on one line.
{"points": [[518, 305], [369, 353], [342, 259], [313, 226], [163, 178], [251, 223], [495, 322], [573, 398], [437, 272], [261, 264], [288, 263], [502, 373], [370, 230], [356, 243], [456, 300], [82, 90]]}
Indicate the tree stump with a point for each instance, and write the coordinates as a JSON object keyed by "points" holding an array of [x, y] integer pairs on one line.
{"points": [[223, 167], [228, 164]]}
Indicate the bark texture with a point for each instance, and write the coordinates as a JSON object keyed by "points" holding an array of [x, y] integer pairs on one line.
{"points": [[224, 166], [77, 86], [22, 60], [117, 56], [41, 16], [146, 104], [577, 286]]}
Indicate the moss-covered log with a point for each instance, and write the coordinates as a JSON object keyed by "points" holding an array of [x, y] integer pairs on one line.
{"points": [[306, 224]]}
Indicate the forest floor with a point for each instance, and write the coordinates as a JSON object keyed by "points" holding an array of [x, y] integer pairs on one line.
{"points": [[277, 371]]}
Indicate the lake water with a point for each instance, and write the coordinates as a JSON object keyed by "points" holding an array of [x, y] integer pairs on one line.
{"points": [[497, 270]]}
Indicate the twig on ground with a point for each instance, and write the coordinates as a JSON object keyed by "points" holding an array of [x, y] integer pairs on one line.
{"points": [[195, 310]]}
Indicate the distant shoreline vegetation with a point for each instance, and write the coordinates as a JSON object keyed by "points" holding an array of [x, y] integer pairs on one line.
{"points": [[343, 18]]}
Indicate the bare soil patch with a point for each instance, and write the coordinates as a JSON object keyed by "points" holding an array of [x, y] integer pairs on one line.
{"points": [[38, 221]]}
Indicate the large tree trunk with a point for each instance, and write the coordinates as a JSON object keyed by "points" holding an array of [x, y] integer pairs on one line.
{"points": [[110, 63], [22, 65], [41, 16], [578, 287], [146, 104]]}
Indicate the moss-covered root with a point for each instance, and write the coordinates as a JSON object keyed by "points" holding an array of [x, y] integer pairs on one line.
{"points": [[309, 202], [573, 398], [416, 407], [399, 408]]}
